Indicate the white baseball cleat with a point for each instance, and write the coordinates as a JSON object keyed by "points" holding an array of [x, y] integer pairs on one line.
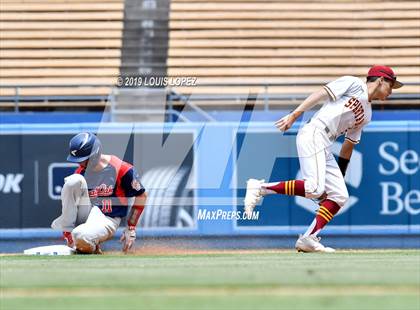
{"points": [[253, 195], [311, 244]]}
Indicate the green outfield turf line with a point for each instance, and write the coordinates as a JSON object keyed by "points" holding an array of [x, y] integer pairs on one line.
{"points": [[262, 280]]}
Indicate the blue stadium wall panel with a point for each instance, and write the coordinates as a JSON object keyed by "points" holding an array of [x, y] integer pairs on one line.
{"points": [[216, 159], [225, 116]]}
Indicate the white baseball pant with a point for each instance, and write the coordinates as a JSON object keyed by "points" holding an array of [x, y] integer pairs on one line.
{"points": [[318, 165], [88, 225]]}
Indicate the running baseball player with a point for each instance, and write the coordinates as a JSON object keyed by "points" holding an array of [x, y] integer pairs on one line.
{"points": [[346, 112], [97, 196]]}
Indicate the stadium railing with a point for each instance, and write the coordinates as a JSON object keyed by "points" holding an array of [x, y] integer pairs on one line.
{"points": [[264, 98]]}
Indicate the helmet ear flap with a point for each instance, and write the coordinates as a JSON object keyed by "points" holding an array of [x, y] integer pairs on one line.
{"points": [[96, 153]]}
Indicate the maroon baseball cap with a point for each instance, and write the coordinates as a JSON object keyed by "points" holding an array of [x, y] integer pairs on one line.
{"points": [[387, 73]]}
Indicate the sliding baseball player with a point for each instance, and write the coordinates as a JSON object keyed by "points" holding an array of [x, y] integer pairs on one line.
{"points": [[97, 196]]}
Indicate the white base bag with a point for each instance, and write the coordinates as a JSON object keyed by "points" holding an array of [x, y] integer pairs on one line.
{"points": [[50, 250]]}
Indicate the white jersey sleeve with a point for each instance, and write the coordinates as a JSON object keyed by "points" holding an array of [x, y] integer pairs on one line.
{"points": [[336, 89], [353, 135]]}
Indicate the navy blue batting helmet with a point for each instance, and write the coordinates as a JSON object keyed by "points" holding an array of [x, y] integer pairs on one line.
{"points": [[84, 146]]}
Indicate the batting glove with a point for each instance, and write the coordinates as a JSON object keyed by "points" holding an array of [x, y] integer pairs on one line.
{"points": [[68, 238], [128, 238]]}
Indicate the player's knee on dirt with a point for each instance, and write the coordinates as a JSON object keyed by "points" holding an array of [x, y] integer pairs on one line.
{"points": [[84, 247], [83, 241], [313, 190]]}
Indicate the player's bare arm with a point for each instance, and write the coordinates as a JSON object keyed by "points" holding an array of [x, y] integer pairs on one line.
{"points": [[287, 121], [347, 149], [129, 235]]}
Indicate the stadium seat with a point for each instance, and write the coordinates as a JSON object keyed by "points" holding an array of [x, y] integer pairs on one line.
{"points": [[241, 46], [225, 41], [64, 42]]}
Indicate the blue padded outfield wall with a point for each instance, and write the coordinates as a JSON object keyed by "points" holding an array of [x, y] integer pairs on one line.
{"points": [[201, 171]]}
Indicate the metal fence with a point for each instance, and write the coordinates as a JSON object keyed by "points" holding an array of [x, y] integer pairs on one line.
{"points": [[174, 98]]}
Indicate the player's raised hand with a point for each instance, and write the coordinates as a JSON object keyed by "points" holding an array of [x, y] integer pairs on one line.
{"points": [[128, 238], [285, 122]]}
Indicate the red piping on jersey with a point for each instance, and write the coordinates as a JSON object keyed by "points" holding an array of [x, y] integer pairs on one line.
{"points": [[121, 168]]}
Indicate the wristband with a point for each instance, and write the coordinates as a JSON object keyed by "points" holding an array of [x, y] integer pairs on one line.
{"points": [[342, 164], [134, 216]]}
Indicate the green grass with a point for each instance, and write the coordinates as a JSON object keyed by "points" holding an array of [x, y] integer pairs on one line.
{"points": [[261, 280]]}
